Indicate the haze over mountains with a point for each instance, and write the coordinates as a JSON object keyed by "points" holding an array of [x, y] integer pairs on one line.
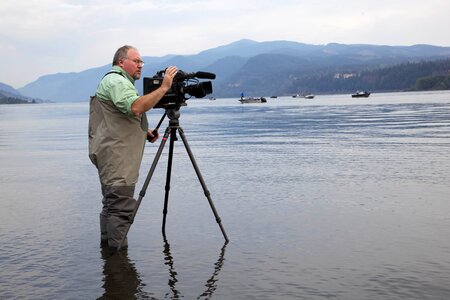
{"points": [[255, 68]]}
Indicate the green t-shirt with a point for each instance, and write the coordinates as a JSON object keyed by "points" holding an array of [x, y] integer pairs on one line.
{"points": [[118, 89]]}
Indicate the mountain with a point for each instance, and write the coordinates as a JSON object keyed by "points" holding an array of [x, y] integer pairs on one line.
{"points": [[256, 68], [7, 89], [9, 95]]}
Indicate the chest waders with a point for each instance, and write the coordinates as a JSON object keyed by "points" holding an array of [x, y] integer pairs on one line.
{"points": [[116, 146]]}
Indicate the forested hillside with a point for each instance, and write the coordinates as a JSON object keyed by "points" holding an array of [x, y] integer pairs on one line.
{"points": [[9, 95], [423, 75]]}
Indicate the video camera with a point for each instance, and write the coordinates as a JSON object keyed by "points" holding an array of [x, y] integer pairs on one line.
{"points": [[184, 86]]}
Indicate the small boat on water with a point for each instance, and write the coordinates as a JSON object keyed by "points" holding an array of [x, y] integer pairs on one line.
{"points": [[361, 94], [306, 96], [253, 100]]}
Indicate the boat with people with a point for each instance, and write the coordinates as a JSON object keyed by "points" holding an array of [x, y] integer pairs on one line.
{"points": [[361, 94], [253, 100]]}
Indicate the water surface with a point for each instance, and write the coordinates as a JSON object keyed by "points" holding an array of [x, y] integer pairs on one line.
{"points": [[333, 197]]}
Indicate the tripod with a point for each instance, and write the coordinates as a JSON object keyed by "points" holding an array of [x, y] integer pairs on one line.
{"points": [[173, 113]]}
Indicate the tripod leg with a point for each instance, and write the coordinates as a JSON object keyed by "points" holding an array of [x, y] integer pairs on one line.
{"points": [[202, 182], [146, 183], [173, 133]]}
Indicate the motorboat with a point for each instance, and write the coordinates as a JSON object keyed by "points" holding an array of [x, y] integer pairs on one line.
{"points": [[253, 100], [361, 94], [306, 96]]}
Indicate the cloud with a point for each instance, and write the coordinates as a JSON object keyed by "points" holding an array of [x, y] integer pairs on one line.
{"points": [[49, 36]]}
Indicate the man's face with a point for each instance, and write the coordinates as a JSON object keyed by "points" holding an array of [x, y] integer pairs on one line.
{"points": [[132, 64]]}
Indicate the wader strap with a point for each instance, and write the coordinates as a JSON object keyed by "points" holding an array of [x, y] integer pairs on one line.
{"points": [[113, 72]]}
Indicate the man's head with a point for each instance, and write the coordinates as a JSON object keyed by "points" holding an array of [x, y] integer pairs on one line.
{"points": [[129, 59]]}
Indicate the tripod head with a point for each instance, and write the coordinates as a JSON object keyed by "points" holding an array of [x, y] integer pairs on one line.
{"points": [[173, 113]]}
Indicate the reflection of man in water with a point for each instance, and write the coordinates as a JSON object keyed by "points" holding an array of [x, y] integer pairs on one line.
{"points": [[121, 280]]}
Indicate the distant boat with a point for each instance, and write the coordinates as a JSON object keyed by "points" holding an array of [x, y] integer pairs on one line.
{"points": [[361, 94], [274, 97], [253, 100], [307, 96], [212, 98]]}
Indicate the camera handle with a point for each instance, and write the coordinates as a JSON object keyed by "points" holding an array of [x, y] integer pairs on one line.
{"points": [[155, 131], [171, 130]]}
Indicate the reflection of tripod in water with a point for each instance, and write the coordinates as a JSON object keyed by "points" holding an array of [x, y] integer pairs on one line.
{"points": [[173, 113], [211, 283]]}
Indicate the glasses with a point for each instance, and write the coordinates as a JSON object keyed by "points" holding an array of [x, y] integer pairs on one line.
{"points": [[137, 61]]}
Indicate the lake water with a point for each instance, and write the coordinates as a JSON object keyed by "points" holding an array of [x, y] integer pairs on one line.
{"points": [[330, 198]]}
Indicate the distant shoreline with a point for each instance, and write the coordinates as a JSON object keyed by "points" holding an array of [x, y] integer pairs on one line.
{"points": [[17, 101]]}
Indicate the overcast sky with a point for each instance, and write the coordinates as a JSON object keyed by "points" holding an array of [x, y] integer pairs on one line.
{"points": [[40, 37]]}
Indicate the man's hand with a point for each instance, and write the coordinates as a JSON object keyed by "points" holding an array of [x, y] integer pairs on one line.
{"points": [[152, 135], [169, 74]]}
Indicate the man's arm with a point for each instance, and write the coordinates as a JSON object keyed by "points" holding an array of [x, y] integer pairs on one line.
{"points": [[146, 102]]}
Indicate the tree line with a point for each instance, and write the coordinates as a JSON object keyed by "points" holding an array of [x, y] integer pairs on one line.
{"points": [[410, 76], [11, 100]]}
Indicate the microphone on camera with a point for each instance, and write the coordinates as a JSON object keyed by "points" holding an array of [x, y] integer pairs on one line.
{"points": [[204, 75], [181, 75]]}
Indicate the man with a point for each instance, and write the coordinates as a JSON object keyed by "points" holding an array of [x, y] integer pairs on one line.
{"points": [[118, 129]]}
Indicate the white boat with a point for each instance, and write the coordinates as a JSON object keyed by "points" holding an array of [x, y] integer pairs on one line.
{"points": [[307, 96]]}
